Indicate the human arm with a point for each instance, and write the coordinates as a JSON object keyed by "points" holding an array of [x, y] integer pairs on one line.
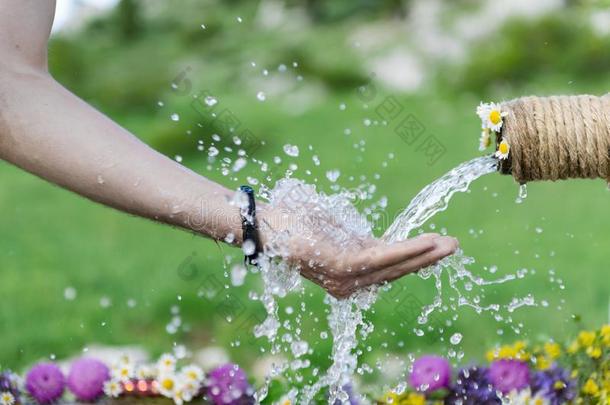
{"points": [[50, 132]]}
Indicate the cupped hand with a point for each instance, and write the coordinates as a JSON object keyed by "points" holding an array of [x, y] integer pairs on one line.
{"points": [[343, 265]]}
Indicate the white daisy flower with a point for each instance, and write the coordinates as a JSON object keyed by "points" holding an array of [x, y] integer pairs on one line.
{"points": [[113, 388], [491, 116], [145, 372], [189, 389], [503, 150], [166, 363], [485, 139], [6, 398], [192, 373], [122, 372], [525, 397], [179, 398], [168, 384]]}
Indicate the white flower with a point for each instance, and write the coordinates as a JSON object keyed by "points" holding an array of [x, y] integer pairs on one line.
{"points": [[168, 384], [524, 397], [485, 139], [145, 372], [122, 372], [124, 359], [185, 390], [113, 388], [192, 373], [6, 398], [503, 150], [491, 116], [189, 389], [179, 398], [166, 363]]}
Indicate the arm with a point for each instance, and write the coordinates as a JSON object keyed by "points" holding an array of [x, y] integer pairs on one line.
{"points": [[51, 133], [48, 131]]}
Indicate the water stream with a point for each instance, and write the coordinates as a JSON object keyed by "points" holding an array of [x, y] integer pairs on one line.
{"points": [[343, 224]]}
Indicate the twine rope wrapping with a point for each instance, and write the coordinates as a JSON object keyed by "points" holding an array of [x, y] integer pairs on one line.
{"points": [[557, 137]]}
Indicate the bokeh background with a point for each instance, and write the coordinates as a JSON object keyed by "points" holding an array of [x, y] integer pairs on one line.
{"points": [[74, 273]]}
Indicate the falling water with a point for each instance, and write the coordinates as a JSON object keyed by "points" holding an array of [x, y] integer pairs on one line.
{"points": [[435, 197], [344, 225]]}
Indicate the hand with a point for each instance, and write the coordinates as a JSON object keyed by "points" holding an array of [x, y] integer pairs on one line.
{"points": [[341, 265]]}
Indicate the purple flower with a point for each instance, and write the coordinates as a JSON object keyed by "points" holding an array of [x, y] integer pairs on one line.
{"points": [[509, 374], [228, 385], [430, 373], [472, 387], [87, 377], [45, 382], [9, 383], [555, 385]]}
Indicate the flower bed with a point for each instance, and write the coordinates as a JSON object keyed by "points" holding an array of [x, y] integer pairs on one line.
{"points": [[545, 374], [548, 373]]}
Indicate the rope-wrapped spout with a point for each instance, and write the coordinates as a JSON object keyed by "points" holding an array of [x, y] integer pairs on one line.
{"points": [[558, 137]]}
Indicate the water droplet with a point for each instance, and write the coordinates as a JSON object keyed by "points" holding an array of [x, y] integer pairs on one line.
{"points": [[210, 101], [178, 158], [248, 247], [291, 150], [522, 193], [261, 96], [456, 338], [105, 302], [70, 293], [333, 175], [174, 117]]}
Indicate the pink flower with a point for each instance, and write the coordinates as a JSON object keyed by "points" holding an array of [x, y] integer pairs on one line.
{"points": [[45, 382], [430, 373], [87, 377], [509, 374]]}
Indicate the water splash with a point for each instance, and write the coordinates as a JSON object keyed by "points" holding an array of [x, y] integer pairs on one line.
{"points": [[343, 225], [435, 197]]}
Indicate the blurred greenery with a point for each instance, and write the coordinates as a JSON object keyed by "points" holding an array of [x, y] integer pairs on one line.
{"points": [[125, 62]]}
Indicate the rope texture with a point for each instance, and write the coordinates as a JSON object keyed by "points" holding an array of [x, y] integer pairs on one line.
{"points": [[557, 137]]}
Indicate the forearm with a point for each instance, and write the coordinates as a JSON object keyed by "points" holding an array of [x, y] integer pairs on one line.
{"points": [[50, 132]]}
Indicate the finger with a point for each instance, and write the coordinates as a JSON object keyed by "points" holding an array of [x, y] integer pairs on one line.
{"points": [[444, 246], [385, 255]]}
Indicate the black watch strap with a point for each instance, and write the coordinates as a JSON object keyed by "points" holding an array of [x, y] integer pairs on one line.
{"points": [[249, 226]]}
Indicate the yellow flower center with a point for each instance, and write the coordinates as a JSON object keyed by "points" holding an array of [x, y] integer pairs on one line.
{"points": [[192, 375], [559, 385], [168, 384], [503, 148], [495, 117]]}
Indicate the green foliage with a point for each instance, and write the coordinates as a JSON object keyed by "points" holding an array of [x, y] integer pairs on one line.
{"points": [[562, 45]]}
